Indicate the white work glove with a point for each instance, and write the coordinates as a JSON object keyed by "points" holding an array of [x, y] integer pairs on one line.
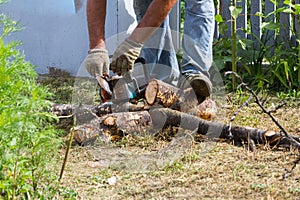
{"points": [[125, 55], [97, 62]]}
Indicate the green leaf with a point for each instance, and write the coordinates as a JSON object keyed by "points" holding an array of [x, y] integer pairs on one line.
{"points": [[235, 11], [223, 27], [259, 14], [248, 69], [282, 80], [270, 26], [297, 9], [219, 18], [284, 10], [287, 71], [288, 11], [243, 44], [287, 2]]}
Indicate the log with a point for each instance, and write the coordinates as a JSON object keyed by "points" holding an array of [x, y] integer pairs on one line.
{"points": [[99, 110], [69, 109], [240, 135], [185, 101], [206, 110], [159, 91], [113, 127]]}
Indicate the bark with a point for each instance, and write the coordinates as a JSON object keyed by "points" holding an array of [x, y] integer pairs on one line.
{"points": [[185, 101], [68, 109], [160, 92], [99, 110], [240, 135], [113, 126]]}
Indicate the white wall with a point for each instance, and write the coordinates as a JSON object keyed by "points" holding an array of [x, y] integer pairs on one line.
{"points": [[56, 35]]}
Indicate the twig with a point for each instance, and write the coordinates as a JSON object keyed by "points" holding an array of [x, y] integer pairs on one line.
{"points": [[261, 106], [65, 117], [68, 150], [277, 107], [269, 113], [286, 175]]}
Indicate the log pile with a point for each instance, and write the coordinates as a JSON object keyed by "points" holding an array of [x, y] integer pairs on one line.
{"points": [[165, 106]]}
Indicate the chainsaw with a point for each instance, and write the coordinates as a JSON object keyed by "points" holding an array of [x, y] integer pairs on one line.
{"points": [[120, 89]]}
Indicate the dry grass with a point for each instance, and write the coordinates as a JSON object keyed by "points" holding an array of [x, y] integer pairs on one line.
{"points": [[223, 172], [152, 168]]}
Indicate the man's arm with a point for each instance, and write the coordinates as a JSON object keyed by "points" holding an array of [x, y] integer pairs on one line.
{"points": [[97, 60], [129, 50], [96, 13], [153, 18]]}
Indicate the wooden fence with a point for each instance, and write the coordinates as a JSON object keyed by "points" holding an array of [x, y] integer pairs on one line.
{"points": [[288, 22]]}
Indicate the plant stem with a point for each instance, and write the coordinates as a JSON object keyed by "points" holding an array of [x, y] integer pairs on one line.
{"points": [[298, 69], [68, 150], [233, 30], [16, 166]]}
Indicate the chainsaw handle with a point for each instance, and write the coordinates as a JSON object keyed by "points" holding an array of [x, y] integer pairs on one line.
{"points": [[129, 78]]}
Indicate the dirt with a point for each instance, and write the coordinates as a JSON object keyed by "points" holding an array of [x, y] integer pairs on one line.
{"points": [[155, 168]]}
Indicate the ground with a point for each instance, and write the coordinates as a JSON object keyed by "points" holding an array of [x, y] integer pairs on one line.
{"points": [[188, 169]]}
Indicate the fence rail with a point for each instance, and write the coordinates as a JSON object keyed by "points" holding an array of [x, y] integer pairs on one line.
{"points": [[248, 20]]}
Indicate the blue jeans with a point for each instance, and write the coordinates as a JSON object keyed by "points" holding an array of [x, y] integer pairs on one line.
{"points": [[159, 52]]}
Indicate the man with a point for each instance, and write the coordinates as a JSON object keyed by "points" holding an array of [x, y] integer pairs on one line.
{"points": [[152, 14]]}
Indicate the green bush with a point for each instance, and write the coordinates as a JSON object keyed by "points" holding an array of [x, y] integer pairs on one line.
{"points": [[29, 143], [272, 66]]}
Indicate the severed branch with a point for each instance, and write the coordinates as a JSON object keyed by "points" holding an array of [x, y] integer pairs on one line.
{"points": [[269, 113], [240, 135], [277, 107]]}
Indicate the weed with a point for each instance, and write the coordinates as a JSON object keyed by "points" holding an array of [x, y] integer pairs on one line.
{"points": [[293, 94], [67, 193], [262, 63], [28, 140]]}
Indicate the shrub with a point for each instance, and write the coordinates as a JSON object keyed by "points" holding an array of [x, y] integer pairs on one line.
{"points": [[28, 140]]}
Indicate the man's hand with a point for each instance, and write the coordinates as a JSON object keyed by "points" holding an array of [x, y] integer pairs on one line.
{"points": [[125, 55], [97, 62]]}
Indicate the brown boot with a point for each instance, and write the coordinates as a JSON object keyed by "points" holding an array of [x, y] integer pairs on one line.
{"points": [[201, 85]]}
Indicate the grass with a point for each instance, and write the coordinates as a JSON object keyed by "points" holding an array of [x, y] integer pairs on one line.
{"points": [[226, 172], [223, 172]]}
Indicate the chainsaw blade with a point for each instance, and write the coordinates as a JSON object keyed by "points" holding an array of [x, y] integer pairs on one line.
{"points": [[105, 92]]}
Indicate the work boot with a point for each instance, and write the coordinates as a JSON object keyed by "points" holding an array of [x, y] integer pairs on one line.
{"points": [[201, 85]]}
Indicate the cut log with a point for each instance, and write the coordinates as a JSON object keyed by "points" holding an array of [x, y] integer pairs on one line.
{"points": [[99, 110], [68, 109], [114, 126], [86, 134], [214, 129], [206, 110], [159, 91], [185, 101]]}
